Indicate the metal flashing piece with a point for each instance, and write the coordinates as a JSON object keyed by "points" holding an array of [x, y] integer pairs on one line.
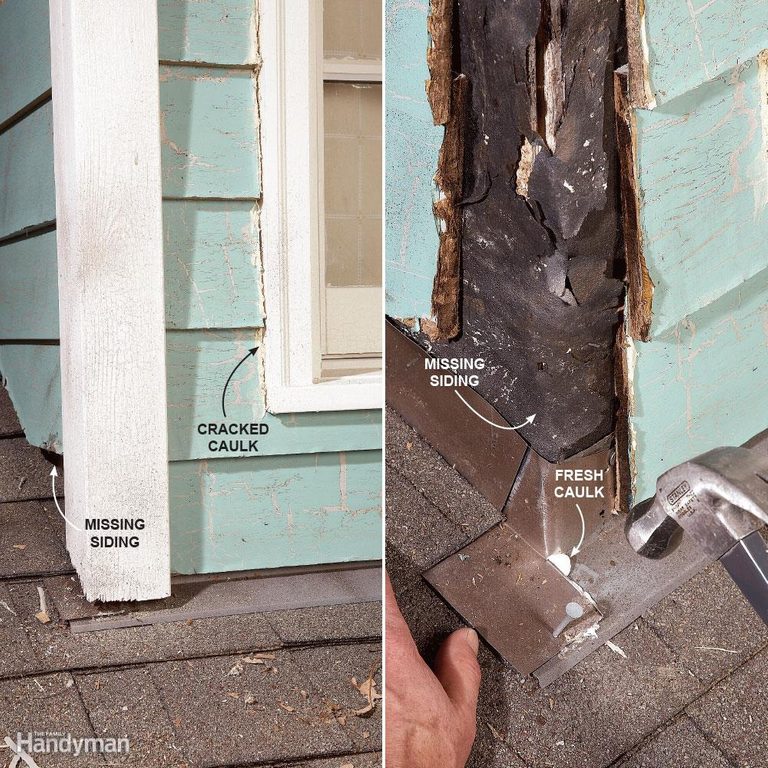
{"points": [[556, 508], [516, 599], [624, 585], [211, 598], [521, 604], [489, 458]]}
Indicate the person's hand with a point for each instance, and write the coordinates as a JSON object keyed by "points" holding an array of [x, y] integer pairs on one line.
{"points": [[430, 716]]}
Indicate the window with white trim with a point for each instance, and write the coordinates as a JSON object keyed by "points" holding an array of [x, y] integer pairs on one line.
{"points": [[321, 115]]}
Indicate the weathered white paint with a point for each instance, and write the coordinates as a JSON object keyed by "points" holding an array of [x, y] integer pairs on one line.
{"points": [[289, 85], [108, 210]]}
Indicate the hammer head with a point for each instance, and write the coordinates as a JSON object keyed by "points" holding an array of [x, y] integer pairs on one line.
{"points": [[717, 498], [651, 532]]}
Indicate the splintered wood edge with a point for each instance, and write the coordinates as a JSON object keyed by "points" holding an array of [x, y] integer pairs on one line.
{"points": [[624, 458], [447, 101], [446, 289], [639, 91], [439, 59], [640, 286]]}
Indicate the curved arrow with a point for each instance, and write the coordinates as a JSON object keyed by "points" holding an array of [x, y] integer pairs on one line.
{"points": [[528, 421], [577, 548], [54, 475], [251, 352]]}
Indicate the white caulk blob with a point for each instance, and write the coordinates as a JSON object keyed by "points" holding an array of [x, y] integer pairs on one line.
{"points": [[561, 561]]}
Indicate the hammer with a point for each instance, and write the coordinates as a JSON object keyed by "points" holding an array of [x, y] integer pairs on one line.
{"points": [[720, 500]]}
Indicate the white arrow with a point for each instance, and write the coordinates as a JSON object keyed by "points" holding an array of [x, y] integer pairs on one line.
{"points": [[54, 475], [577, 548], [528, 421]]}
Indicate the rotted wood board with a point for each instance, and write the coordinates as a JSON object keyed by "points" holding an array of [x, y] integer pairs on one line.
{"points": [[275, 511], [413, 143], [23, 78], [208, 32]]}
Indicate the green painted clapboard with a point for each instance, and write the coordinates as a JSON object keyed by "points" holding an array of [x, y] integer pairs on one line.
{"points": [[212, 277], [413, 143], [26, 181], [199, 364], [702, 178], [299, 500], [33, 377], [212, 273], [24, 28], [701, 383], [243, 513], [208, 131], [703, 186], [690, 43], [209, 32], [239, 514], [29, 300]]}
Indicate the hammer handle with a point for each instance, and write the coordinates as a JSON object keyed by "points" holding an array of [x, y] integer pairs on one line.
{"points": [[747, 563]]}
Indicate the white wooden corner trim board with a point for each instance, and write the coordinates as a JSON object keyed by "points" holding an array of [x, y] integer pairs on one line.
{"points": [[290, 225], [110, 259]]}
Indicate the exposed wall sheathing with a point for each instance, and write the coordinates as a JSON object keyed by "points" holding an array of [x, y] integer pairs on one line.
{"points": [[540, 244]]}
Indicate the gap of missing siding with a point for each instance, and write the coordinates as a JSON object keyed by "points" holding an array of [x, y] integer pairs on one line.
{"points": [[551, 52]]}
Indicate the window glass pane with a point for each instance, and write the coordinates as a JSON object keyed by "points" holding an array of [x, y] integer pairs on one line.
{"points": [[352, 117], [352, 28], [352, 173]]}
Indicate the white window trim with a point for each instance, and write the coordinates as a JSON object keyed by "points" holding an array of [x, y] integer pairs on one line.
{"points": [[343, 70], [290, 226]]}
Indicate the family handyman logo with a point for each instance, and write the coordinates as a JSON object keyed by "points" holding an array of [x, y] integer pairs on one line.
{"points": [[25, 745]]}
